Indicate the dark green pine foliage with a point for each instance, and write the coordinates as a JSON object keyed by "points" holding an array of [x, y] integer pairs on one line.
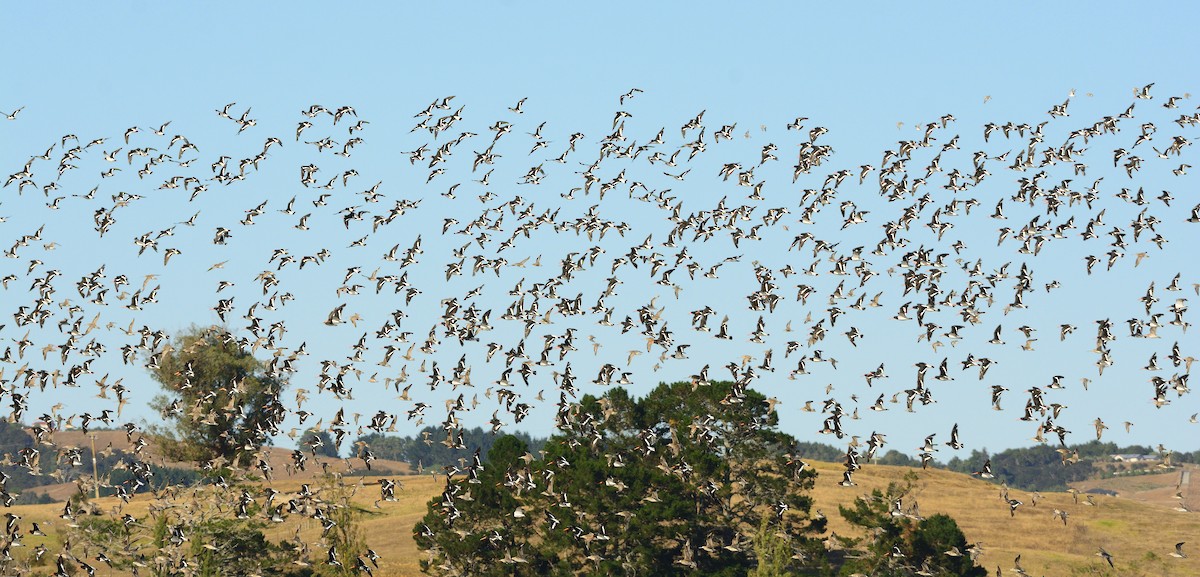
{"points": [[676, 483], [428, 450]]}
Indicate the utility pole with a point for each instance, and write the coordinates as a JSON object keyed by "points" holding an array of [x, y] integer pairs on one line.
{"points": [[95, 471]]}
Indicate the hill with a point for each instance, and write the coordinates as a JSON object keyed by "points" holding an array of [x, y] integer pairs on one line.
{"points": [[1140, 533], [116, 439], [1132, 530], [1155, 488]]}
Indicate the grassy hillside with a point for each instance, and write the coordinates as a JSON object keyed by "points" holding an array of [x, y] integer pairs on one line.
{"points": [[108, 439], [1128, 529], [1139, 535]]}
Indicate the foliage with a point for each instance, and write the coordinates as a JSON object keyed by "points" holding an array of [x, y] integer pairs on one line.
{"points": [[894, 457], [773, 551], [427, 450], [106, 533], [1047, 468], [1037, 468], [676, 483], [900, 543], [13, 437], [161, 477], [220, 401], [179, 541], [228, 546], [346, 535], [326, 447], [819, 452]]}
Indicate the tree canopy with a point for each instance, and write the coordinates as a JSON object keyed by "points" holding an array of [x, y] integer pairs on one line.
{"points": [[320, 442], [429, 450], [220, 401], [676, 483]]}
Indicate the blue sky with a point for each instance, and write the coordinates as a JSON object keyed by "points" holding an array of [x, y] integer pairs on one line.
{"points": [[860, 71]]}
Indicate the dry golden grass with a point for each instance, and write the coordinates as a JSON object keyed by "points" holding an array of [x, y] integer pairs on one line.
{"points": [[1126, 528], [388, 527], [1157, 488], [106, 439]]}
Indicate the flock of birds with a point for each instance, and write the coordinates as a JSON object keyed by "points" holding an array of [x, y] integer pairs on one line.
{"points": [[619, 237]]}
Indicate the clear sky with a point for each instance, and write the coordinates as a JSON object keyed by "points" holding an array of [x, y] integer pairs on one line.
{"points": [[872, 74]]}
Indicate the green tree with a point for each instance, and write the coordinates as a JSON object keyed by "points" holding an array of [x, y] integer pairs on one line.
{"points": [[773, 551], [899, 542], [185, 540], [431, 449], [894, 457], [676, 483], [13, 439], [220, 400], [386, 446], [230, 546], [324, 443], [820, 451], [346, 534]]}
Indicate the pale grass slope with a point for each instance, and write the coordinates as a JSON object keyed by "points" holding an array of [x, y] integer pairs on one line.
{"points": [[1126, 528], [1129, 529]]}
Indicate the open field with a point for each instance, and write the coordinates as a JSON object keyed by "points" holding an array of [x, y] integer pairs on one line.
{"points": [[1128, 528], [1159, 488]]}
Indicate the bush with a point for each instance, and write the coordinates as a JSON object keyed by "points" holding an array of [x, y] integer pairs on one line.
{"points": [[922, 543]]}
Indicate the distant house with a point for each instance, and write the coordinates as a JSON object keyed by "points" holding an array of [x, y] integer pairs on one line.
{"points": [[1134, 458]]}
